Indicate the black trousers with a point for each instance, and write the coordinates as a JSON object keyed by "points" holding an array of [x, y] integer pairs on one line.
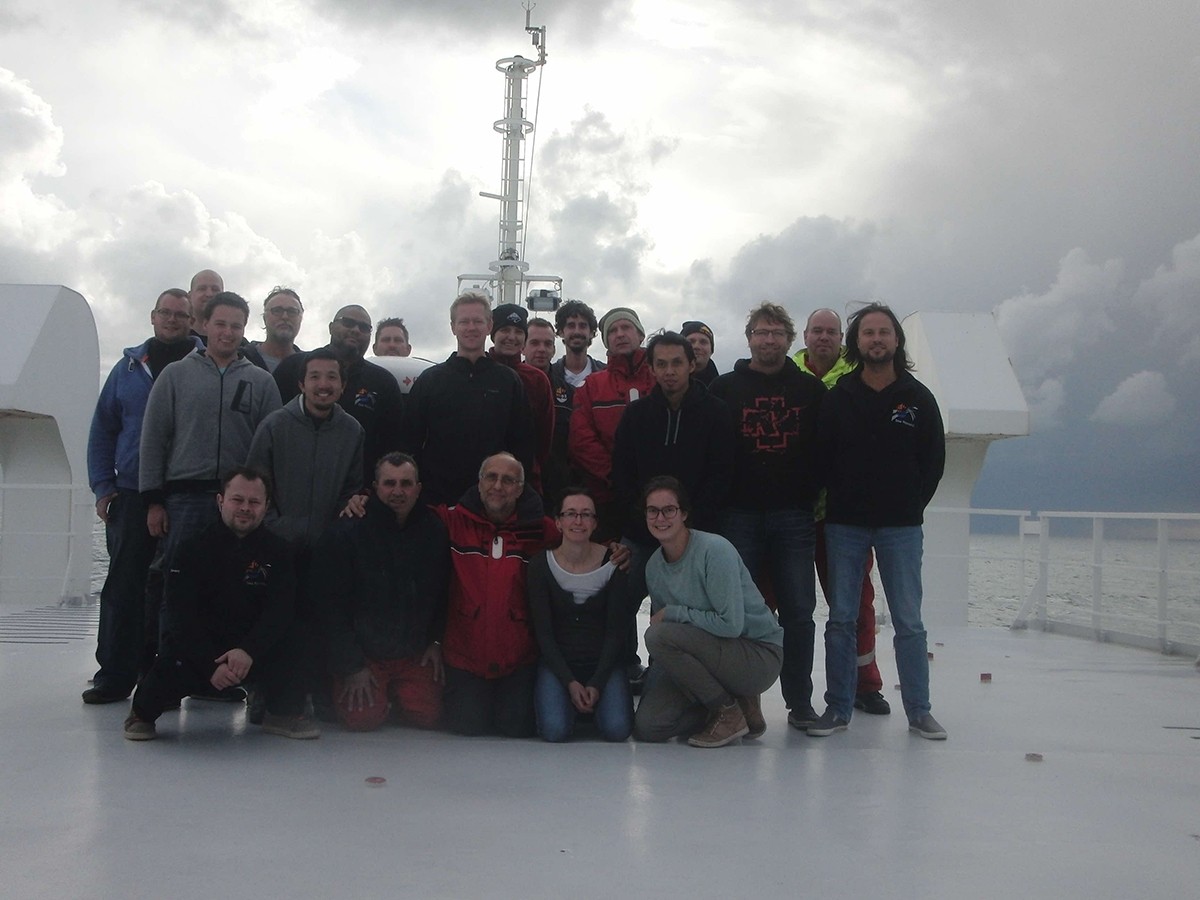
{"points": [[473, 706]]}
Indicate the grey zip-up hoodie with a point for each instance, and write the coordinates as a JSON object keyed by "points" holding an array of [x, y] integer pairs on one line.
{"points": [[199, 423], [316, 465]]}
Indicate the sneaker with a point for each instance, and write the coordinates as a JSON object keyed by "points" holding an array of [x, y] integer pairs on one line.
{"points": [[233, 694], [927, 727], [873, 704], [139, 730], [300, 728], [752, 710], [803, 718], [104, 695], [725, 725], [827, 724]]}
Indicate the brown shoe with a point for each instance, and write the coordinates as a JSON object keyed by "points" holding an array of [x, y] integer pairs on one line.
{"points": [[725, 725], [752, 710], [300, 728]]}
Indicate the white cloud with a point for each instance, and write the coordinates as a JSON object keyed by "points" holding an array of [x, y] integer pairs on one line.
{"points": [[1046, 402], [1172, 296], [1140, 400], [1044, 332]]}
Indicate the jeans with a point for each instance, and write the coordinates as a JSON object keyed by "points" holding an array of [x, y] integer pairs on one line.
{"points": [[898, 551], [779, 544], [122, 605], [556, 713]]}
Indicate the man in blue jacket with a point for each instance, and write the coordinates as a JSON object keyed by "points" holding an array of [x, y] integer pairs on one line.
{"points": [[882, 450], [113, 475]]}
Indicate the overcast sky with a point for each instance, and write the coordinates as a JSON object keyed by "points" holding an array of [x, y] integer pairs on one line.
{"points": [[1035, 159]]}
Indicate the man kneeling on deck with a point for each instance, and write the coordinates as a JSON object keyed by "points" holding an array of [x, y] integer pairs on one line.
{"points": [[229, 607], [381, 594]]}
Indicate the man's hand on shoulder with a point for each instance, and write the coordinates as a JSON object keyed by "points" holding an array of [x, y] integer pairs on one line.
{"points": [[356, 507]]}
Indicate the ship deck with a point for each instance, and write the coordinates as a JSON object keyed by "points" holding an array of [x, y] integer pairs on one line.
{"points": [[216, 808]]}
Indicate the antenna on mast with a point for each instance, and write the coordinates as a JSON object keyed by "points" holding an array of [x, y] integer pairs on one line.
{"points": [[510, 281]]}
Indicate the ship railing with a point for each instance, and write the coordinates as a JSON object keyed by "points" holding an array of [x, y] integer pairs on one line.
{"points": [[1127, 578], [36, 564]]}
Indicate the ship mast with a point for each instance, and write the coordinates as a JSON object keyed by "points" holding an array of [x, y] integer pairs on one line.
{"points": [[509, 280]]}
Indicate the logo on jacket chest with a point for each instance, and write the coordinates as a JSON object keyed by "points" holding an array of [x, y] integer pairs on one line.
{"points": [[905, 415], [256, 574], [771, 424], [365, 399]]}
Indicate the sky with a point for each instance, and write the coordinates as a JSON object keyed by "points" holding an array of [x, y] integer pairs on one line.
{"points": [[1037, 160]]}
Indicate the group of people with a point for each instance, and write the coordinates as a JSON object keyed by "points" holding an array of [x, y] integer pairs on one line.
{"points": [[291, 524]]}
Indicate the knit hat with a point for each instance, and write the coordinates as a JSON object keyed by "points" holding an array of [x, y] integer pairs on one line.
{"points": [[616, 314], [510, 314], [699, 328]]}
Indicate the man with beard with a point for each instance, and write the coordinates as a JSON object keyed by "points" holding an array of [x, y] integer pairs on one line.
{"points": [[391, 338], [882, 449], [825, 357], [370, 393], [283, 314], [768, 514], [113, 462]]}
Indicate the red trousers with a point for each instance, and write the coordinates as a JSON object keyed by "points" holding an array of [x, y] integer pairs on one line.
{"points": [[407, 684], [869, 679]]}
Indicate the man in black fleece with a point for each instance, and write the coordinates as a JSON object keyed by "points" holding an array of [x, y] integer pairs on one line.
{"points": [[230, 597]]}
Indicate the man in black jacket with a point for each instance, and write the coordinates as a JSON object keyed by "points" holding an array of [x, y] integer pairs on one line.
{"points": [[882, 449], [769, 513], [381, 585], [229, 603]]}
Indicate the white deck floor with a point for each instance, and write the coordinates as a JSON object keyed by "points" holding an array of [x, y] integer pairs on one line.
{"points": [[216, 809]]}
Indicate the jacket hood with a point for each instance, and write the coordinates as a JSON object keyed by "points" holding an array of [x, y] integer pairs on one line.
{"points": [[529, 511]]}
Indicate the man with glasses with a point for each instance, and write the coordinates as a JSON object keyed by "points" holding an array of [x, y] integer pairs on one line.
{"points": [[283, 313], [466, 408], [489, 651], [768, 516], [113, 462], [370, 392]]}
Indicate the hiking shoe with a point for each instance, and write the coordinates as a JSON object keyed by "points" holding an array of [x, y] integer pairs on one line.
{"points": [[724, 726], [873, 704], [233, 694], [827, 724], [300, 728], [752, 710], [95, 695], [139, 730], [927, 727], [803, 718]]}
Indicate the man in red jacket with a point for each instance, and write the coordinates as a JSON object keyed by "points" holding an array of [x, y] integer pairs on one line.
{"points": [[489, 650], [599, 404]]}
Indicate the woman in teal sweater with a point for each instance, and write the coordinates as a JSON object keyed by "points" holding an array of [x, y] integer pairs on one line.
{"points": [[714, 644]]}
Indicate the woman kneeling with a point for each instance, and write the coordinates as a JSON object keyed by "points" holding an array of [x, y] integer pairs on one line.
{"points": [[714, 644], [578, 602]]}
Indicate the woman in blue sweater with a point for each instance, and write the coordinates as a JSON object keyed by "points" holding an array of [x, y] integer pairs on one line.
{"points": [[714, 644], [578, 601]]}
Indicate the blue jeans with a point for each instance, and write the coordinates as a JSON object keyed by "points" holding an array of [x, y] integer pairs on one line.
{"points": [[898, 551], [122, 599], [779, 544], [556, 713]]}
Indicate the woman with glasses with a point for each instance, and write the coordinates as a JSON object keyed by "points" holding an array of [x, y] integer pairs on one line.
{"points": [[577, 598], [714, 645]]}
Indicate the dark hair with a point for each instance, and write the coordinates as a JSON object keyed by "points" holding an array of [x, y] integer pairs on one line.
{"points": [[178, 294], [226, 298], [538, 320], [282, 289], [772, 312], [668, 483], [250, 473], [392, 322], [575, 308], [326, 354], [670, 339], [571, 490], [396, 458], [900, 362]]}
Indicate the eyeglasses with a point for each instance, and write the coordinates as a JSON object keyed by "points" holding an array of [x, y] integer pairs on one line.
{"points": [[347, 322], [583, 515], [777, 333], [667, 512], [293, 312], [177, 316], [495, 477]]}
